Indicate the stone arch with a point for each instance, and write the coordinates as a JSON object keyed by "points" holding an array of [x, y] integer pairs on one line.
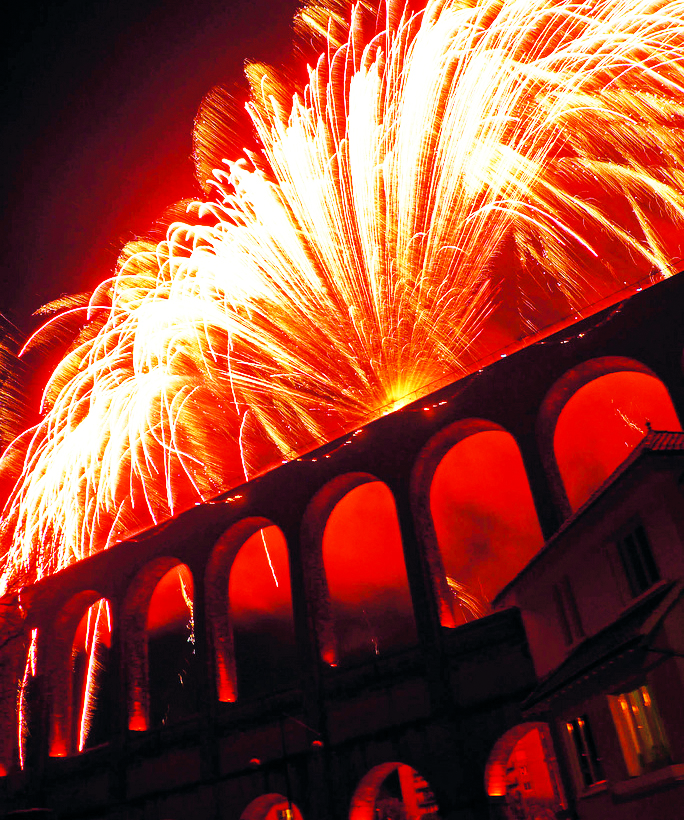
{"points": [[92, 669], [267, 807], [170, 637], [555, 402], [544, 789], [432, 459], [134, 638], [314, 523], [415, 792], [218, 614], [60, 678], [356, 571], [222, 616]]}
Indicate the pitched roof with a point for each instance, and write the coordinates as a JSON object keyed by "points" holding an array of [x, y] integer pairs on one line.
{"points": [[633, 629], [655, 441], [663, 440]]}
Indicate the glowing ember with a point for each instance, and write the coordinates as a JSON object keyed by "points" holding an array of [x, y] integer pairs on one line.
{"points": [[450, 179]]}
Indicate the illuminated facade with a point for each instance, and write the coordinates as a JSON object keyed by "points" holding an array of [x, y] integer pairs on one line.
{"points": [[324, 637], [603, 608]]}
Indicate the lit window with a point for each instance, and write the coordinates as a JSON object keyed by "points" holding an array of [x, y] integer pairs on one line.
{"points": [[638, 562], [640, 731], [588, 762]]}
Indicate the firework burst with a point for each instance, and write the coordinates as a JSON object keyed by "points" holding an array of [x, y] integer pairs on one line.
{"points": [[449, 178]]}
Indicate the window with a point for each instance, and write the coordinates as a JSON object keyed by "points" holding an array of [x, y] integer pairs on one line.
{"points": [[640, 731], [588, 762], [637, 561], [568, 613]]}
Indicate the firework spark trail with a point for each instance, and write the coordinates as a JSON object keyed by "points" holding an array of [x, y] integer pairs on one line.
{"points": [[22, 721], [436, 159], [98, 625], [246, 474], [187, 598]]}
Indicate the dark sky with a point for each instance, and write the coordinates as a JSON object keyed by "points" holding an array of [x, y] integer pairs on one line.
{"points": [[96, 131]]}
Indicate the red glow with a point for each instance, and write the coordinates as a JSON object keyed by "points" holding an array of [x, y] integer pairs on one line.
{"points": [[252, 588], [602, 423], [170, 650], [530, 752], [58, 744], [261, 610], [168, 610], [82, 630], [364, 567], [391, 790], [226, 688], [483, 512], [92, 639], [137, 722], [496, 780], [521, 769]]}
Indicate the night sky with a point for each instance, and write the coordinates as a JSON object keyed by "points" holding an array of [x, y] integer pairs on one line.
{"points": [[99, 101]]}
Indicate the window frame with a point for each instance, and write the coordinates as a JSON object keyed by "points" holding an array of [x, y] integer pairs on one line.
{"points": [[567, 611], [587, 764], [640, 730], [636, 559]]}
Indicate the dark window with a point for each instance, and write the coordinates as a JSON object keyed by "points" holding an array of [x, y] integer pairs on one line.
{"points": [[562, 614], [573, 611], [637, 561], [568, 613], [587, 759]]}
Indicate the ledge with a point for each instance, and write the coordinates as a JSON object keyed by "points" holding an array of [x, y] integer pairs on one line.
{"points": [[591, 791], [652, 781]]}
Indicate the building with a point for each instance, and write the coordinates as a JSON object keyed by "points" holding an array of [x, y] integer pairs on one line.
{"points": [[603, 608], [469, 608]]}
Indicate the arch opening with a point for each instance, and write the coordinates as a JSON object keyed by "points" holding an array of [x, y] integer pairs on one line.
{"points": [[484, 519], [393, 791], [366, 577], [259, 599], [78, 671], [170, 636], [600, 425], [271, 807], [92, 687], [522, 778]]}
